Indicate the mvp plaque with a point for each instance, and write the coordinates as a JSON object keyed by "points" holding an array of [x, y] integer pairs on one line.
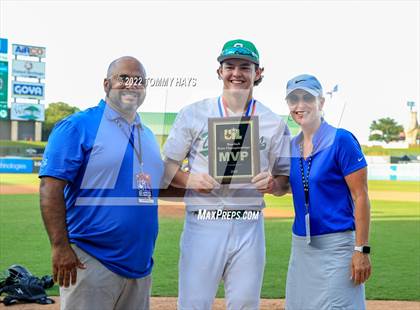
{"points": [[234, 155]]}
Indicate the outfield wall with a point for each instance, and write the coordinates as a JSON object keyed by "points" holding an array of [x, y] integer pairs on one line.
{"points": [[396, 172], [19, 165], [376, 171]]}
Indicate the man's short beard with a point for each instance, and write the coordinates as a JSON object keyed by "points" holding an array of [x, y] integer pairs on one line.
{"points": [[115, 96]]}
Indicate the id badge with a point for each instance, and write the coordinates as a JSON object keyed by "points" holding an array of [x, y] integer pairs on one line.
{"points": [[308, 229], [144, 188]]}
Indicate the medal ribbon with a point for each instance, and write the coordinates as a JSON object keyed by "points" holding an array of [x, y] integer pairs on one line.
{"points": [[220, 102]]}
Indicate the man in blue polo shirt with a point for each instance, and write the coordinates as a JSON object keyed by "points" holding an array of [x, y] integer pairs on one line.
{"points": [[100, 179]]}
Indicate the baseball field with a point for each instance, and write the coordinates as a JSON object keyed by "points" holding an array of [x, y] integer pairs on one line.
{"points": [[395, 239]]}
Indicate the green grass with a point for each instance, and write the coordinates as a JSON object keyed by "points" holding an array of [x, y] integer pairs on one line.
{"points": [[381, 210], [380, 151], [23, 143], [286, 202], [394, 238], [399, 186], [283, 203], [165, 281], [19, 178], [367, 150], [23, 239]]}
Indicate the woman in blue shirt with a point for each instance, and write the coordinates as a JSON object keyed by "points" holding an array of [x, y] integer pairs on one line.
{"points": [[329, 259]]}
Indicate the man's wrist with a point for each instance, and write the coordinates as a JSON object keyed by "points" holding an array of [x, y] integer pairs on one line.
{"points": [[60, 244], [280, 186]]}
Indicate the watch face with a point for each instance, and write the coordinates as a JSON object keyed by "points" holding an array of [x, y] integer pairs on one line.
{"points": [[366, 249]]}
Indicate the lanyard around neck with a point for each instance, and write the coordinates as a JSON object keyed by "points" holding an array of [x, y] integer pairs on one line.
{"points": [[224, 112], [130, 138], [305, 179]]}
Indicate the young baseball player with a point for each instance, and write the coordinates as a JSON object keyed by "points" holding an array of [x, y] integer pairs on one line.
{"points": [[230, 247]]}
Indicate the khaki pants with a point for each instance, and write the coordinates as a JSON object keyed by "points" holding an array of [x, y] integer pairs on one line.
{"points": [[99, 288]]}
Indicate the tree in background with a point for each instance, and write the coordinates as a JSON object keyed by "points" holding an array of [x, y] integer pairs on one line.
{"points": [[385, 129], [55, 112]]}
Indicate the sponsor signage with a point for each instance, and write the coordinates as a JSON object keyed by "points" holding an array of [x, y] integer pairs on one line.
{"points": [[28, 90], [29, 69], [4, 83], [16, 165], [27, 112], [28, 50], [3, 49], [37, 164], [3, 46]]}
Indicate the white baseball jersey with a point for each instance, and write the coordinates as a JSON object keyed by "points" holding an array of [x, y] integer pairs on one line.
{"points": [[188, 138]]}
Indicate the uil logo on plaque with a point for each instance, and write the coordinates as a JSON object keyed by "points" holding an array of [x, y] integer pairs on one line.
{"points": [[233, 149], [232, 134]]}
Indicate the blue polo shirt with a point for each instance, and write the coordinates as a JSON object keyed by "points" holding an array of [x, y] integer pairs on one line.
{"points": [[92, 152], [337, 153]]}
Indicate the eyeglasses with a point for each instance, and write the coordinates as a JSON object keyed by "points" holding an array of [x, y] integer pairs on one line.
{"points": [[293, 99], [128, 81]]}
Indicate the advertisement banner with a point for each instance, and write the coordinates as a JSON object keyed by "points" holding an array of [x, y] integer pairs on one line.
{"points": [[3, 49], [4, 85], [28, 69], [28, 90], [28, 50], [37, 164], [16, 165], [27, 112]]}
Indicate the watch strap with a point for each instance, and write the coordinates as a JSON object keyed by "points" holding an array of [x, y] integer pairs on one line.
{"points": [[362, 249]]}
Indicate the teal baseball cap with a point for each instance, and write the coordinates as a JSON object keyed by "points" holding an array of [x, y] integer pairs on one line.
{"points": [[241, 49]]}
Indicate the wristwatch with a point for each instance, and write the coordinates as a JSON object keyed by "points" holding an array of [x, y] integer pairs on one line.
{"points": [[365, 249]]}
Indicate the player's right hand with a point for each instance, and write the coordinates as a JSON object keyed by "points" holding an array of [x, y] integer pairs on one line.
{"points": [[64, 264], [201, 183]]}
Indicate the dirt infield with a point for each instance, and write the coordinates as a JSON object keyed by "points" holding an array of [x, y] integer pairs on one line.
{"points": [[169, 303], [169, 209], [6, 189], [395, 196]]}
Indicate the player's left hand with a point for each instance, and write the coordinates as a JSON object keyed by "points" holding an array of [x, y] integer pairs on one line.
{"points": [[360, 267], [263, 182]]}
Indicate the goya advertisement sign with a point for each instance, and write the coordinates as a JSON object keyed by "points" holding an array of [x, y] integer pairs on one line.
{"points": [[28, 90]]}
